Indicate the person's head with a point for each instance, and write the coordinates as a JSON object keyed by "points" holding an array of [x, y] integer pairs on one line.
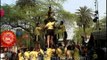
{"points": [[59, 45], [21, 50], [37, 45], [26, 49], [31, 48], [37, 24], [61, 22], [1, 51], [51, 19], [46, 16]]}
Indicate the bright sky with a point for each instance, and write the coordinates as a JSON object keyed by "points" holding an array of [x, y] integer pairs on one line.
{"points": [[73, 5]]}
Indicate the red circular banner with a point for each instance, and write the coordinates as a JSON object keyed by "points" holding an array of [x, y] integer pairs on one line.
{"points": [[8, 38]]}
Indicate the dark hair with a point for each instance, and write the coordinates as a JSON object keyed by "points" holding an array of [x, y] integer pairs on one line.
{"points": [[71, 47], [37, 24], [59, 44], [31, 48], [51, 19], [61, 22]]}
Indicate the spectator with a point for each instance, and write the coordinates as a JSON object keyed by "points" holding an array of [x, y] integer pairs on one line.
{"points": [[2, 55], [9, 55]]}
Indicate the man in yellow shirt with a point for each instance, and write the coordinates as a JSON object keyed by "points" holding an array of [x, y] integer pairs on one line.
{"points": [[33, 55], [59, 50], [37, 32], [21, 55], [62, 32], [50, 32], [26, 54], [37, 52], [49, 53]]}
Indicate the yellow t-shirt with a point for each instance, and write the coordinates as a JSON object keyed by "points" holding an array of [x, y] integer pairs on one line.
{"points": [[49, 25], [26, 54], [62, 28], [41, 51], [59, 52], [38, 30], [49, 52], [33, 55], [20, 56], [61, 31]]}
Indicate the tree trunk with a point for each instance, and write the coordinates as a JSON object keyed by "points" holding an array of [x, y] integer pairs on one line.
{"points": [[84, 31]]}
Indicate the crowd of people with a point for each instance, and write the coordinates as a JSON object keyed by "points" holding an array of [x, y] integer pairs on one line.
{"points": [[71, 51], [37, 53]]}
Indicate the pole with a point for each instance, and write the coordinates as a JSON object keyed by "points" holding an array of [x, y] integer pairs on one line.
{"points": [[96, 10], [97, 23]]}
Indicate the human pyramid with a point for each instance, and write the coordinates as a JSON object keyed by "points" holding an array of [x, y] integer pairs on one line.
{"points": [[59, 51], [53, 49]]}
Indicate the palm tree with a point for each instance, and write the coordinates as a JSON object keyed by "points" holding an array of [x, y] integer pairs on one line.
{"points": [[84, 18]]}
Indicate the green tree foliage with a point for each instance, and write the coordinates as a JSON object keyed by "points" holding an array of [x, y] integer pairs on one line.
{"points": [[84, 17], [65, 15], [84, 23], [9, 12], [23, 3]]}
